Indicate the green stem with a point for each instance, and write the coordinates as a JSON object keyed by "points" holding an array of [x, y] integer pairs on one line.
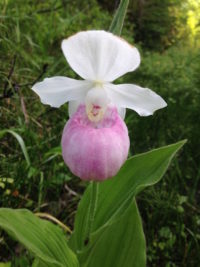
{"points": [[92, 209], [40, 190]]}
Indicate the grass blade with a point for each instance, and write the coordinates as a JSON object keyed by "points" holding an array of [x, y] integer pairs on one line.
{"points": [[118, 20], [20, 141]]}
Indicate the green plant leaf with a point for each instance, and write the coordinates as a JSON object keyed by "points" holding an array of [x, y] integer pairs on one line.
{"points": [[52, 153], [119, 244], [44, 239], [118, 20], [39, 263], [20, 141], [116, 194]]}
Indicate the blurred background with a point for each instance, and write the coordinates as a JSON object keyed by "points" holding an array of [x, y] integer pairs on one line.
{"points": [[32, 172]]}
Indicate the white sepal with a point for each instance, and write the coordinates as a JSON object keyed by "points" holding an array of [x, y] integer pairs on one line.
{"points": [[143, 100], [58, 90], [100, 55]]}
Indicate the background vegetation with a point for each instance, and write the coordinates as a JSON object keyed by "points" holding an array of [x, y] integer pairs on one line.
{"points": [[33, 175]]}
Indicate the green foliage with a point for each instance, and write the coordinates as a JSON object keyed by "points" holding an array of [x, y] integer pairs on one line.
{"points": [[31, 33], [174, 75], [160, 24], [154, 22], [45, 240], [33, 30], [7, 264], [20, 141], [126, 239], [115, 210]]}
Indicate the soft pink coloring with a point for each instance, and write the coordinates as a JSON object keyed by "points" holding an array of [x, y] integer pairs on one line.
{"points": [[95, 150]]}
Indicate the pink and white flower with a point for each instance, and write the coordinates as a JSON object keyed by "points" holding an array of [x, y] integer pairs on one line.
{"points": [[95, 151], [90, 141]]}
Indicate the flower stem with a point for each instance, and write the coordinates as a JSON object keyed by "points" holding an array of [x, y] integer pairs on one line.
{"points": [[92, 209]]}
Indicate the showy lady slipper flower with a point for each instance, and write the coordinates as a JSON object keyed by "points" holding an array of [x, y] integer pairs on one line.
{"points": [[95, 151], [95, 140]]}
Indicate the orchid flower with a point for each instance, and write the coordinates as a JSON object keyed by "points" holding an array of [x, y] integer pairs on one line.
{"points": [[95, 140], [95, 151], [99, 57]]}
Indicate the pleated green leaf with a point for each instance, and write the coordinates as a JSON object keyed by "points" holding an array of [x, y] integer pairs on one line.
{"points": [[119, 244], [39, 263], [45, 240]]}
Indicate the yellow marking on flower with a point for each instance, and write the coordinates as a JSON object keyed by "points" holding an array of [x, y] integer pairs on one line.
{"points": [[96, 102], [98, 84], [95, 113]]}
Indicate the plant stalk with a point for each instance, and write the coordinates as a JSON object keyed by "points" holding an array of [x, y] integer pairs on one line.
{"points": [[92, 209]]}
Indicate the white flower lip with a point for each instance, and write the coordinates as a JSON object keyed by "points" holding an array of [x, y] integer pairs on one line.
{"points": [[99, 57]]}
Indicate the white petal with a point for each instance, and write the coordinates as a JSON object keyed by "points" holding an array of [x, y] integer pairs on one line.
{"points": [[73, 106], [143, 100], [58, 90], [100, 55]]}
